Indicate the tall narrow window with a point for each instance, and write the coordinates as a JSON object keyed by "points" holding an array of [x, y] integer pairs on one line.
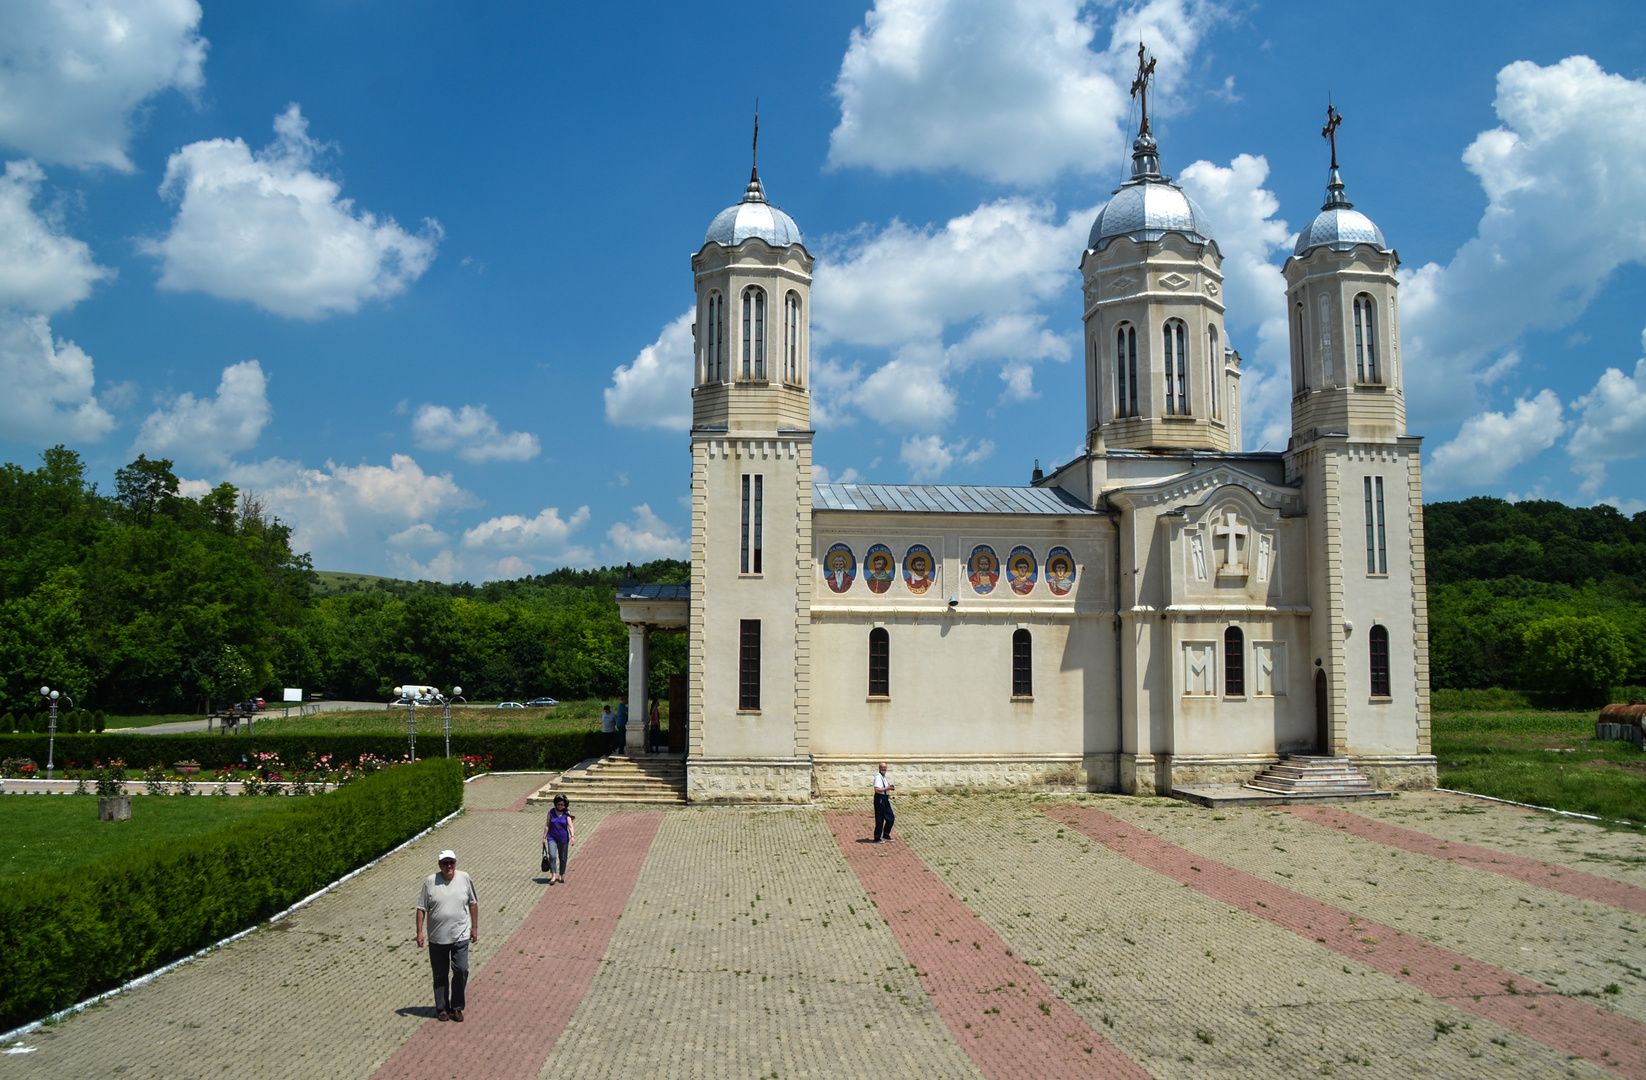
{"points": [[754, 334], [880, 663], [1377, 533], [1234, 662], [1378, 644], [1022, 664], [791, 338], [753, 495], [714, 342], [1214, 372], [1365, 340], [1125, 367], [1302, 353], [748, 664], [1177, 369]]}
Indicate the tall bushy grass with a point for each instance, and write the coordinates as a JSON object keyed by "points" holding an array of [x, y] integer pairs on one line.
{"points": [[71, 934]]}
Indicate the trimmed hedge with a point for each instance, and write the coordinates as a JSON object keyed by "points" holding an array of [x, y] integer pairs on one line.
{"points": [[68, 935], [508, 751]]}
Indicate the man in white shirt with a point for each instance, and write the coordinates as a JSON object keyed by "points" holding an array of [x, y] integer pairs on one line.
{"points": [[883, 816], [450, 911]]}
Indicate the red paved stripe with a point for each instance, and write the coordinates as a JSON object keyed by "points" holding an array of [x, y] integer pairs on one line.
{"points": [[1514, 1001], [521, 1001], [1009, 1031], [1544, 875]]}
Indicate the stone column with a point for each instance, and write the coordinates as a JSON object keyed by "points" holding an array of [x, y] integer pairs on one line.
{"points": [[639, 706]]}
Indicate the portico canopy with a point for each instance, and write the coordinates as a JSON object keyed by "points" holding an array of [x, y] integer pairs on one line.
{"points": [[645, 608]]}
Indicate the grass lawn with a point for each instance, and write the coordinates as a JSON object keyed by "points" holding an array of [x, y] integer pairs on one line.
{"points": [[474, 720], [53, 832], [1547, 758]]}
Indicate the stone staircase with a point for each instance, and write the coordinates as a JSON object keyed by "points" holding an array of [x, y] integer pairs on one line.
{"points": [[655, 778], [1311, 776]]}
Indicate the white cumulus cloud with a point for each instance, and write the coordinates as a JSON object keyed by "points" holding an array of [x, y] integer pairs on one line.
{"points": [[1565, 180], [1010, 90], [646, 538], [655, 390], [473, 433], [930, 457], [421, 535], [72, 74], [547, 531], [1490, 444], [1612, 425], [206, 431], [42, 268], [267, 228], [47, 384]]}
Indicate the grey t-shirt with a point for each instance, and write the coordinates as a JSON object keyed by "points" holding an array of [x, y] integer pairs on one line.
{"points": [[446, 907]]}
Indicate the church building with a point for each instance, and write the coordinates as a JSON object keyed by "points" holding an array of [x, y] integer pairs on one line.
{"points": [[1167, 610]]}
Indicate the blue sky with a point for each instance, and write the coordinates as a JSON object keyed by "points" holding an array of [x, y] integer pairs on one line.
{"points": [[417, 273]]}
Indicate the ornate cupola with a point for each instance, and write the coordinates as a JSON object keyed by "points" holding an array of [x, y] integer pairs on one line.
{"points": [[1341, 298], [753, 277], [1159, 373]]}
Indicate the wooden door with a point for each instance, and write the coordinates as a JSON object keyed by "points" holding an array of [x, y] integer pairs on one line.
{"points": [[1323, 726], [677, 714]]}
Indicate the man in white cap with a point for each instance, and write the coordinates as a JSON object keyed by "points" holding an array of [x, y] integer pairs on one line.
{"points": [[450, 911]]}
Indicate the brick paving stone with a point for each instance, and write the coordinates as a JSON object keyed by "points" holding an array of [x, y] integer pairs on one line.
{"points": [[1009, 1021], [521, 1001], [505, 791], [1607, 1039], [1187, 986], [1576, 946], [330, 991], [748, 949], [1596, 849], [1560, 878]]}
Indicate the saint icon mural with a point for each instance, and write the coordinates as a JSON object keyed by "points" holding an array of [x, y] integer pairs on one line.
{"points": [[839, 568], [1059, 571], [879, 568], [919, 569], [983, 570], [1021, 571]]}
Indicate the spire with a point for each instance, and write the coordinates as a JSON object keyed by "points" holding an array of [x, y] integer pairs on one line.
{"points": [[755, 192], [1335, 198], [1145, 151]]}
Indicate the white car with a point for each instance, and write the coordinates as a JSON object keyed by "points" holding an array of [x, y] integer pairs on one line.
{"points": [[510, 705]]}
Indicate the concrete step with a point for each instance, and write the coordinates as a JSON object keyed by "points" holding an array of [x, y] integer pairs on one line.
{"points": [[652, 779], [1315, 775]]}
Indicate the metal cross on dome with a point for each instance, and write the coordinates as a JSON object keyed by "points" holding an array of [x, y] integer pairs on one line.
{"points": [[1140, 85], [1334, 120]]}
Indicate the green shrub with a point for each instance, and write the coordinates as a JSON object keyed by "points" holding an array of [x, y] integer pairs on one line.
{"points": [[1575, 660], [508, 751], [8, 724], [1627, 695], [97, 720], [71, 934], [1495, 699]]}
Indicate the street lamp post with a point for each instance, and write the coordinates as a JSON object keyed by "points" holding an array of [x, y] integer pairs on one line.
{"points": [[411, 718], [457, 695], [51, 697]]}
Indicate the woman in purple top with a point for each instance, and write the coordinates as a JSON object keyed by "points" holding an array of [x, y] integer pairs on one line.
{"points": [[558, 837]]}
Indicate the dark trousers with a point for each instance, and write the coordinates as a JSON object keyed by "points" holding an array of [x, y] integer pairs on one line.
{"points": [[450, 962], [883, 816]]}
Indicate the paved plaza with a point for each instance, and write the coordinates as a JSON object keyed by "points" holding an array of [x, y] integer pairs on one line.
{"points": [[1000, 936]]}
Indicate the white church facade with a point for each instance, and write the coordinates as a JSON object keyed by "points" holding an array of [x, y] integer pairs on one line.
{"points": [[1165, 610]]}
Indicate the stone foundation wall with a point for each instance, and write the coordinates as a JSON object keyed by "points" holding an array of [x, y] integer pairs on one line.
{"points": [[1185, 771], [840, 776], [1416, 773], [731, 780]]}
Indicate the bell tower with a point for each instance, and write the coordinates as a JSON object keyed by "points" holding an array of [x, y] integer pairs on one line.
{"points": [[751, 443], [1159, 373]]}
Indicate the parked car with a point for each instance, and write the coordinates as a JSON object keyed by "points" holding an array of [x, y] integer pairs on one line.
{"points": [[259, 702], [510, 705], [542, 701]]}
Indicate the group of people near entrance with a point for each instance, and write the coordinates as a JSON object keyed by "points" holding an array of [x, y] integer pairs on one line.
{"points": [[448, 908], [615, 725]]}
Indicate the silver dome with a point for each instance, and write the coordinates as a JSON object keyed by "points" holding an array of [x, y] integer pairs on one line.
{"points": [[1148, 211], [1339, 225], [753, 217]]}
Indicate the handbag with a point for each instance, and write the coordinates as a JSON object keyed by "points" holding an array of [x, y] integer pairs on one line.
{"points": [[545, 857]]}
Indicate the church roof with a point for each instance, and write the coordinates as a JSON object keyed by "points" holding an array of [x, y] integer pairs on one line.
{"points": [[752, 217], [947, 499], [631, 590]]}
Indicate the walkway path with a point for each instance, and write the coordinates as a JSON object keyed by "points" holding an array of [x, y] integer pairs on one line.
{"points": [[1115, 937]]}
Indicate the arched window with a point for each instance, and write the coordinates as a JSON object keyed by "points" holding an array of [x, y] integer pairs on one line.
{"points": [[1302, 353], [754, 333], [1234, 662], [1378, 645], [1177, 369], [1214, 370], [880, 663], [714, 340], [1125, 371], [791, 338], [1365, 340], [1022, 664]]}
